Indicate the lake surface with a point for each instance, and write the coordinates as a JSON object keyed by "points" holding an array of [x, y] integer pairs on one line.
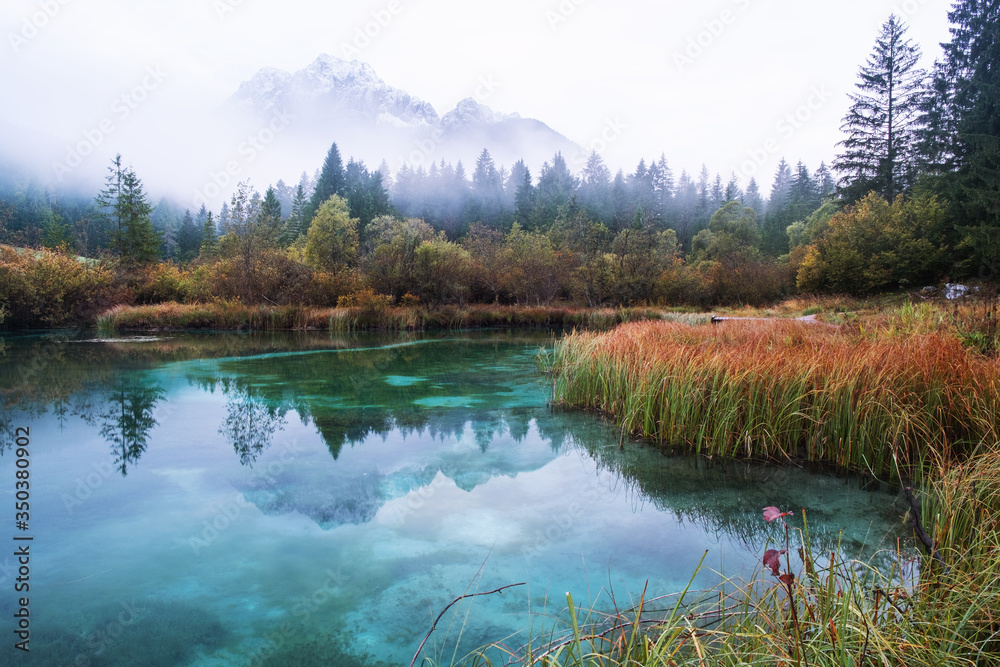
{"points": [[306, 499]]}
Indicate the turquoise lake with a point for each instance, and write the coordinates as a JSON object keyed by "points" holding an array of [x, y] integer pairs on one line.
{"points": [[224, 499]]}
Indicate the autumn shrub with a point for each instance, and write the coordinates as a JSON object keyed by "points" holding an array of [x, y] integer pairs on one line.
{"points": [[159, 283], [366, 299], [50, 289], [327, 288], [273, 277]]}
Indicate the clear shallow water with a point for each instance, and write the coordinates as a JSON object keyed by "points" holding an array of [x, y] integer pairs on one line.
{"points": [[269, 500]]}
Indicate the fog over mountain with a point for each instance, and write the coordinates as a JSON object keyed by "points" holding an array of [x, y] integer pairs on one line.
{"points": [[336, 100], [274, 126]]}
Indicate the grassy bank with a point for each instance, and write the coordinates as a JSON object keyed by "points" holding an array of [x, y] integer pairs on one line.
{"points": [[224, 315], [906, 394], [887, 405]]}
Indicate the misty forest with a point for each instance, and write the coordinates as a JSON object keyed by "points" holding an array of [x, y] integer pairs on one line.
{"points": [[911, 199]]}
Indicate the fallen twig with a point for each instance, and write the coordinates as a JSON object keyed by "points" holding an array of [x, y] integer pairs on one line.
{"points": [[450, 604]]}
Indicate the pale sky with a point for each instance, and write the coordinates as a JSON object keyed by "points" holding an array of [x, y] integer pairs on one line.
{"points": [[734, 84]]}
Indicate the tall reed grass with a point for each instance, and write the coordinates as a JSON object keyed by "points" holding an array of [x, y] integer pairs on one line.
{"points": [[890, 407], [223, 315]]}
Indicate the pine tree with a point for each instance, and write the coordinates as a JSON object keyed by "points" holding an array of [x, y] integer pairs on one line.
{"points": [[270, 208], [188, 239], [974, 54], [663, 188], [330, 181], [773, 229], [524, 200], [781, 188], [879, 151], [556, 185], [704, 203], [294, 225], [717, 195], [824, 181], [733, 191], [209, 238], [124, 205], [284, 193], [753, 198]]}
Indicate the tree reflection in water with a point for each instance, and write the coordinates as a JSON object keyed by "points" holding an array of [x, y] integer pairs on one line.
{"points": [[127, 419]]}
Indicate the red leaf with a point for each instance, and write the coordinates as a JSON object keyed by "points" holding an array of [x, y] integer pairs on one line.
{"points": [[773, 513], [772, 559], [787, 578]]}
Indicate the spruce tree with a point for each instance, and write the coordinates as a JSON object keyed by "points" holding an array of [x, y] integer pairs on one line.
{"points": [[188, 239], [878, 153], [209, 238], [974, 54], [329, 182], [270, 208], [124, 206], [753, 199], [294, 227]]}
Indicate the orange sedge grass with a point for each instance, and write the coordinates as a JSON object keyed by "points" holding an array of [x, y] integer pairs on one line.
{"points": [[787, 390]]}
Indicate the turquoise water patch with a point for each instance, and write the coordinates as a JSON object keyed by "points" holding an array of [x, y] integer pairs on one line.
{"points": [[227, 500], [446, 402], [403, 380]]}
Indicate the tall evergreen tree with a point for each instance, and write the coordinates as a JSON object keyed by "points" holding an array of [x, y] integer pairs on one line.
{"points": [[753, 198], [879, 151], [733, 191], [824, 181], [330, 181], [524, 200], [595, 188], [556, 185], [124, 205], [663, 187], [188, 239], [271, 207], [294, 225], [975, 54], [209, 238]]}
